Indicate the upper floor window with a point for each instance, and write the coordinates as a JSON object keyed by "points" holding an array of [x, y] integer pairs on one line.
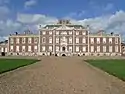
{"points": [[57, 40], [50, 32], [23, 40], [92, 40], [35, 40], [116, 40], [70, 40], [11, 40], [110, 40], [70, 32], [57, 32], [84, 40], [64, 33], [77, 32], [98, 40], [77, 40], [43, 40], [104, 40], [17, 40], [57, 48], [43, 32], [50, 39], [29, 40], [83, 33]]}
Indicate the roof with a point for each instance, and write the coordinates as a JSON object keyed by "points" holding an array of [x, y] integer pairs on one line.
{"points": [[58, 25]]}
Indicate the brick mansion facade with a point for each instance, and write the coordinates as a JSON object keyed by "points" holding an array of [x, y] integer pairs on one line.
{"points": [[64, 38]]}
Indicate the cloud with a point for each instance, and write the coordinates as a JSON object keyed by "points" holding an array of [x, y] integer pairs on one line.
{"points": [[35, 19], [110, 23], [30, 3]]}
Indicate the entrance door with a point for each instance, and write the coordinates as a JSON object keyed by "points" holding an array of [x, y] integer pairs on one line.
{"points": [[63, 49]]}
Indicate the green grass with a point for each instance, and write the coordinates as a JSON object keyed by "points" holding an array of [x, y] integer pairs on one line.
{"points": [[11, 64], [113, 67]]}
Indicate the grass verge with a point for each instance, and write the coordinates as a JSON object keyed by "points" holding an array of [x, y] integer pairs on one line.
{"points": [[11, 64], [113, 67]]}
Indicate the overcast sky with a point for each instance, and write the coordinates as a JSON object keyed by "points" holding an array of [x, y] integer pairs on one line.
{"points": [[19, 15]]}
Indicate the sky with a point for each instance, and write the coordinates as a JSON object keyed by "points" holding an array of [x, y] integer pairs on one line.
{"points": [[20, 15]]}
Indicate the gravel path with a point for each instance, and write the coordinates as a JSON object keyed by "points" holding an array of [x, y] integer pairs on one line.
{"points": [[60, 75]]}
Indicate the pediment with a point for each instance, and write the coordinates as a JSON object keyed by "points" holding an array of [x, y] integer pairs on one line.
{"points": [[64, 27]]}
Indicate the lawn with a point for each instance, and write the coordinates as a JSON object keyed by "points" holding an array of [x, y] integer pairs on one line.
{"points": [[113, 67], [11, 64]]}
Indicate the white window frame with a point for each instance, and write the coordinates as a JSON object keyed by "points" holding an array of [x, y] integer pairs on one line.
{"points": [[104, 40], [70, 32], [110, 49], [77, 48], [57, 39], [116, 48], [70, 40], [116, 40], [29, 40], [29, 48], [110, 40], [84, 48], [23, 48], [11, 40], [77, 40], [50, 48], [92, 48], [84, 40], [35, 48], [23, 40], [2, 49], [44, 40], [17, 40], [35, 40], [84, 33], [98, 40], [92, 40], [11, 48], [57, 32], [98, 48], [50, 40], [44, 32], [77, 32], [17, 48], [104, 49], [50, 32], [57, 48], [43, 48], [6, 50], [70, 48]]}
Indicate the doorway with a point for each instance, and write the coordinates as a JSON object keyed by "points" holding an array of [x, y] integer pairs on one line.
{"points": [[63, 49]]}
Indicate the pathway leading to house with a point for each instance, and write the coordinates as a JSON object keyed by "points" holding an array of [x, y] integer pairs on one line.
{"points": [[60, 75]]}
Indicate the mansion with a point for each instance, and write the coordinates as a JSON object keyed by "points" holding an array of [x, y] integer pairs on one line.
{"points": [[64, 39]]}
